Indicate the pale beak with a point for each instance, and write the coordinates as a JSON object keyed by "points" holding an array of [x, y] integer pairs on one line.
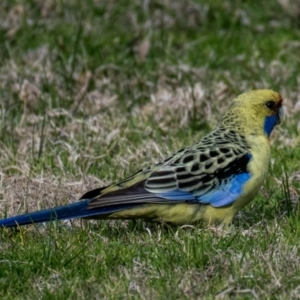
{"points": [[279, 115]]}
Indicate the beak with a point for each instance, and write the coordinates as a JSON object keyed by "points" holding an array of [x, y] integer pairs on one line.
{"points": [[279, 115]]}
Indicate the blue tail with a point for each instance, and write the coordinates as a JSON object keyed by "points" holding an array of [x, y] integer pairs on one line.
{"points": [[57, 213], [66, 212]]}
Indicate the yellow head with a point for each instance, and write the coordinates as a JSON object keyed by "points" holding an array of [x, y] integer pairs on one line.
{"points": [[254, 113]]}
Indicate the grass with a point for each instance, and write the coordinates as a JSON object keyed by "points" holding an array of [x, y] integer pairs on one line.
{"points": [[93, 90]]}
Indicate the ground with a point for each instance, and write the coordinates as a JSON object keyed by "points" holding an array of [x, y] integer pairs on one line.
{"points": [[92, 91]]}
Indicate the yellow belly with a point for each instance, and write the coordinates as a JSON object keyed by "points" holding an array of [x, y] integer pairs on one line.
{"points": [[179, 214]]}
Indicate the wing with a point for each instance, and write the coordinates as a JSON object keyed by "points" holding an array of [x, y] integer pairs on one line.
{"points": [[214, 177]]}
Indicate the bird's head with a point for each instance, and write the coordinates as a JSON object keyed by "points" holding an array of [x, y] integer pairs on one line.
{"points": [[255, 112]]}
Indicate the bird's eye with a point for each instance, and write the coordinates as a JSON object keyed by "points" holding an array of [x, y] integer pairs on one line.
{"points": [[271, 105]]}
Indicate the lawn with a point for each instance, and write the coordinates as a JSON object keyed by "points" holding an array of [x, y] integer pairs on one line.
{"points": [[91, 91]]}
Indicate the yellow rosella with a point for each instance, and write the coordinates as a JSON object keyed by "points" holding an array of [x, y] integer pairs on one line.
{"points": [[209, 181]]}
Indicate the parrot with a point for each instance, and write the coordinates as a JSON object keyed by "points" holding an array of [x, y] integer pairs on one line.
{"points": [[207, 182]]}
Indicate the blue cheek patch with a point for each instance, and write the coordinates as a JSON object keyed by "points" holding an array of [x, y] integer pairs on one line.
{"points": [[270, 123]]}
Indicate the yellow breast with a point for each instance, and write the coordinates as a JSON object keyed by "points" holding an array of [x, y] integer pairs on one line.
{"points": [[258, 167]]}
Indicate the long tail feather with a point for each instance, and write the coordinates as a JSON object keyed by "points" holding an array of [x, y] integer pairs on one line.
{"points": [[57, 213], [66, 212]]}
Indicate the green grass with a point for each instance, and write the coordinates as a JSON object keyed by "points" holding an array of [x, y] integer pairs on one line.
{"points": [[80, 108]]}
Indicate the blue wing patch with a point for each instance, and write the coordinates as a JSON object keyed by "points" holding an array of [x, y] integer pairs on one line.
{"points": [[227, 193]]}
